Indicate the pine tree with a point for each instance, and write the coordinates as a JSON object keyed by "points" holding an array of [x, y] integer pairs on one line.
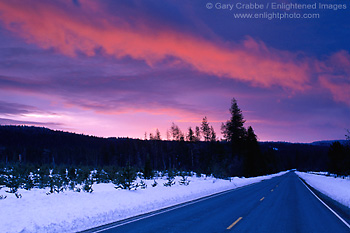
{"points": [[154, 184], [43, 176], [13, 180], [198, 134], [151, 137], [88, 185], [337, 155], [29, 183], [253, 162], [170, 179], [212, 134], [176, 132], [126, 178], [190, 135], [184, 180], [142, 185], [158, 137], [206, 129], [233, 130]]}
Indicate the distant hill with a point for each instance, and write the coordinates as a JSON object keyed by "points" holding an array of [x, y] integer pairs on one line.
{"points": [[329, 142]]}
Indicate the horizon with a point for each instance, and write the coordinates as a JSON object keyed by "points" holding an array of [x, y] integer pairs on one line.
{"points": [[114, 137], [120, 69]]}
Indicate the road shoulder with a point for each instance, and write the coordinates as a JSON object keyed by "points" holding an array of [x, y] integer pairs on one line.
{"points": [[342, 210]]}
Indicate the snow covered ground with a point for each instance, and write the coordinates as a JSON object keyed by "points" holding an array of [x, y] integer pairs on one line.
{"points": [[335, 188], [71, 211]]}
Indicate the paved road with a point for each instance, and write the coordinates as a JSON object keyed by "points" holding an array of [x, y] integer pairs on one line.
{"points": [[281, 204]]}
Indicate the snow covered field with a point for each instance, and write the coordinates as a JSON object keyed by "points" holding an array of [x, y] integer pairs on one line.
{"points": [[71, 211], [335, 188]]}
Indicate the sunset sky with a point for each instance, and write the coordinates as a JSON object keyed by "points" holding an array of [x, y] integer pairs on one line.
{"points": [[120, 68]]}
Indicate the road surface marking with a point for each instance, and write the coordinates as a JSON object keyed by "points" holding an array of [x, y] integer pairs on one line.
{"points": [[161, 211], [262, 198], [233, 224], [326, 205]]}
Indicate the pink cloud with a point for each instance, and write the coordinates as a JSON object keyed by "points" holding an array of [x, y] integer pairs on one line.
{"points": [[49, 24], [71, 29], [339, 86], [335, 76]]}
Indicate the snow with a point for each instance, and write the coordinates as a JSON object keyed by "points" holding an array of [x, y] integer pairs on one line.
{"points": [[70, 211], [337, 188]]}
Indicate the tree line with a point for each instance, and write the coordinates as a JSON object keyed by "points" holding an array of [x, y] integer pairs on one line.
{"points": [[198, 150], [205, 132]]}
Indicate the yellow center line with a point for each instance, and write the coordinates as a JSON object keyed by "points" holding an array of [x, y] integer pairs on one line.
{"points": [[262, 198], [233, 224]]}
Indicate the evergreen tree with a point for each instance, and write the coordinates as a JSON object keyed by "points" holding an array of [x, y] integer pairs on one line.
{"points": [[176, 133], [253, 163], [157, 136], [190, 135], [184, 180], [233, 130], [28, 182], [170, 179], [151, 137], [206, 129], [154, 184], [43, 176], [88, 185], [126, 178], [83, 174], [339, 157], [143, 185], [198, 134], [13, 179], [212, 134]]}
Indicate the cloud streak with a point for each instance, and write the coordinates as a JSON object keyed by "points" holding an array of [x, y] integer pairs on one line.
{"points": [[5, 121], [7, 108], [70, 30], [87, 29]]}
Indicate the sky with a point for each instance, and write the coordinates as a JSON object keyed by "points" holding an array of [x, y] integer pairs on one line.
{"points": [[116, 68]]}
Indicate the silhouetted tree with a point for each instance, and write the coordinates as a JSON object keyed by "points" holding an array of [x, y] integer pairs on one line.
{"points": [[190, 135], [176, 133], [233, 130], [198, 133], [151, 137], [339, 157], [253, 163], [212, 134], [158, 137], [206, 129]]}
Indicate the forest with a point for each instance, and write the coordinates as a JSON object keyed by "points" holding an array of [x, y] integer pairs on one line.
{"points": [[30, 149]]}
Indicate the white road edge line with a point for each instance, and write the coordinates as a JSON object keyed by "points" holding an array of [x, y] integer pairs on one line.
{"points": [[326, 205], [175, 207]]}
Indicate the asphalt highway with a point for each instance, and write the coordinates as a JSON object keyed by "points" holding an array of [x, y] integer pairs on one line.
{"points": [[280, 204]]}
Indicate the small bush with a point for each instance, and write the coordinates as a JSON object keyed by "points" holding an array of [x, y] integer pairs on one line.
{"points": [[154, 183]]}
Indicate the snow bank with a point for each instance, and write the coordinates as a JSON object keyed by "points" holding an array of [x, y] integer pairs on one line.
{"points": [[71, 211], [335, 188]]}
